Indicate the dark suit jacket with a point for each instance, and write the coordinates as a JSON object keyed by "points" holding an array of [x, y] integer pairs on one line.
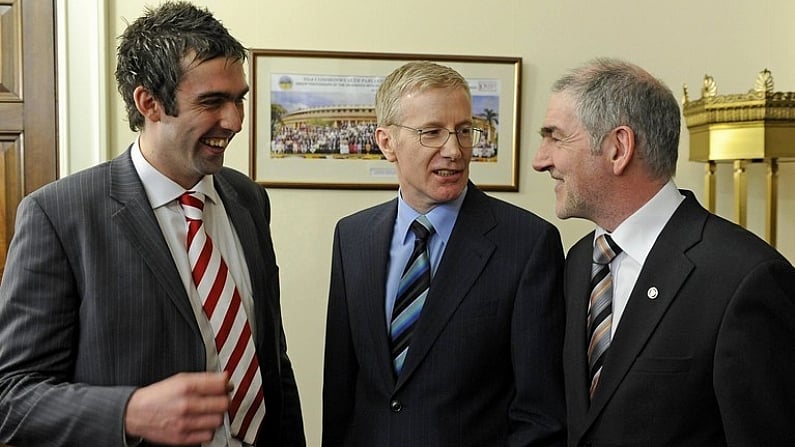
{"points": [[708, 362], [92, 306], [484, 366]]}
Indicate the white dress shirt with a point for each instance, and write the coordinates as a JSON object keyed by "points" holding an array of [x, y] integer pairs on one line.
{"points": [[163, 193], [636, 235]]}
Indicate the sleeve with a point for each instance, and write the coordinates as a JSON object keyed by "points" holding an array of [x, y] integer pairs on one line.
{"points": [[755, 356], [39, 323], [537, 412]]}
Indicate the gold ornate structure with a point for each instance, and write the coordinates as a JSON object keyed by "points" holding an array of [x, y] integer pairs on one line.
{"points": [[755, 127]]}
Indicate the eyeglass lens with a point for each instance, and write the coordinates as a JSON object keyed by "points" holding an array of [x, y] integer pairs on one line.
{"points": [[437, 137]]}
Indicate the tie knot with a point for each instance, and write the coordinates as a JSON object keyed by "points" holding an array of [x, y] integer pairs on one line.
{"points": [[422, 228], [192, 204], [605, 249]]}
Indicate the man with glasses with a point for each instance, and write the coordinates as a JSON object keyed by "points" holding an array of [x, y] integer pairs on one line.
{"points": [[445, 314]]}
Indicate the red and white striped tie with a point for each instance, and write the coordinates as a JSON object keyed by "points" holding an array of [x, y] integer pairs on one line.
{"points": [[223, 307]]}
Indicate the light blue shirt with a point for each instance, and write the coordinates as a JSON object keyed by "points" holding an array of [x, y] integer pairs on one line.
{"points": [[442, 217]]}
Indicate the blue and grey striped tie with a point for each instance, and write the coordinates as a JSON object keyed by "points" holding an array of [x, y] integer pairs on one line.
{"points": [[411, 294]]}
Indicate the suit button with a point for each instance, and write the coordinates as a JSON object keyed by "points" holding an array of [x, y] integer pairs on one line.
{"points": [[395, 406]]}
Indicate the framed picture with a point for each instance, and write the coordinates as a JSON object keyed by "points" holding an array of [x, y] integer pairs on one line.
{"points": [[313, 118]]}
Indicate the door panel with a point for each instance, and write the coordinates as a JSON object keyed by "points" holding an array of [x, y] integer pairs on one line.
{"points": [[28, 106]]}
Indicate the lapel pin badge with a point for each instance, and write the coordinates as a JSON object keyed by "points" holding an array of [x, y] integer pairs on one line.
{"points": [[652, 293]]}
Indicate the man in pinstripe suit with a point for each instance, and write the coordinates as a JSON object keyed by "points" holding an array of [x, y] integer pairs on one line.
{"points": [[104, 341], [482, 366]]}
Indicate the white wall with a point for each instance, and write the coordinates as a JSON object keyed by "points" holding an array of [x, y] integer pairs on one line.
{"points": [[679, 41], [83, 84]]}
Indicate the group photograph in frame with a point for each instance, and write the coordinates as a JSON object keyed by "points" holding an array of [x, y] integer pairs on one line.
{"points": [[313, 115]]}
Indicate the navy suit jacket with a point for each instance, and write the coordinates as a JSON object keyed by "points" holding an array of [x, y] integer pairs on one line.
{"points": [[92, 306], [484, 365], [707, 360]]}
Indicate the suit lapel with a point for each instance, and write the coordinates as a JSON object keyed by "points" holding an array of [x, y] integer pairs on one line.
{"points": [[465, 256], [247, 232], [374, 248], [663, 274], [578, 273], [139, 224]]}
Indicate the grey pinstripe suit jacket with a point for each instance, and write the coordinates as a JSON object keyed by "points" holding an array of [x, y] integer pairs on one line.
{"points": [[92, 306]]}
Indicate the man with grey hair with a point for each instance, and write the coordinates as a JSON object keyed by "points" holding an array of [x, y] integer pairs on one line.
{"points": [[462, 346], [679, 323]]}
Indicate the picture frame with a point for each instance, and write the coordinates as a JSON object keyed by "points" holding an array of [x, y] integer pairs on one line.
{"points": [[313, 117]]}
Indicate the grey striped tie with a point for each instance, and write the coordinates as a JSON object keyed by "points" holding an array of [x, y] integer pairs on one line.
{"points": [[600, 306]]}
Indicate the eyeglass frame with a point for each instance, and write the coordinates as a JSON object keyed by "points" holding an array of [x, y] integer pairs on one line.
{"points": [[419, 133]]}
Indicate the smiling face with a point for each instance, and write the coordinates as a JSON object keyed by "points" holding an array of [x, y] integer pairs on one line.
{"points": [[429, 176], [191, 145], [565, 152]]}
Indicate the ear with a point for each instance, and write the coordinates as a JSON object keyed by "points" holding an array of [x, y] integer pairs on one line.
{"points": [[621, 149], [384, 140], [146, 104]]}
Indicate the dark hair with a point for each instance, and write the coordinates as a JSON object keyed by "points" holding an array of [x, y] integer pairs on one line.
{"points": [[610, 92], [152, 48]]}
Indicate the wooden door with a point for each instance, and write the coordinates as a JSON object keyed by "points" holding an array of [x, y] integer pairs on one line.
{"points": [[28, 106]]}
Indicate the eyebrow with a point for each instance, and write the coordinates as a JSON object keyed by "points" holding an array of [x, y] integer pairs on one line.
{"points": [[547, 130], [223, 95], [439, 125]]}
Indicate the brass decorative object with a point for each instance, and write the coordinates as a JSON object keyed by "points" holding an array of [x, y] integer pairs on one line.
{"points": [[754, 127]]}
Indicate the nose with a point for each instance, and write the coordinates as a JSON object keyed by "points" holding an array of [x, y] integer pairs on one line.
{"points": [[451, 148], [541, 161], [232, 117]]}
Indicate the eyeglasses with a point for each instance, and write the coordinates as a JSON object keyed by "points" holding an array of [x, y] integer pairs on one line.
{"points": [[436, 137]]}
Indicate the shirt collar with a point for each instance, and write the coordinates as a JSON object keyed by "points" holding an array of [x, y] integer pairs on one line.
{"points": [[161, 190], [637, 234], [442, 216]]}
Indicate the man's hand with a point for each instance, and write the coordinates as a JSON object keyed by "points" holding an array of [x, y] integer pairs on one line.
{"points": [[186, 408]]}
